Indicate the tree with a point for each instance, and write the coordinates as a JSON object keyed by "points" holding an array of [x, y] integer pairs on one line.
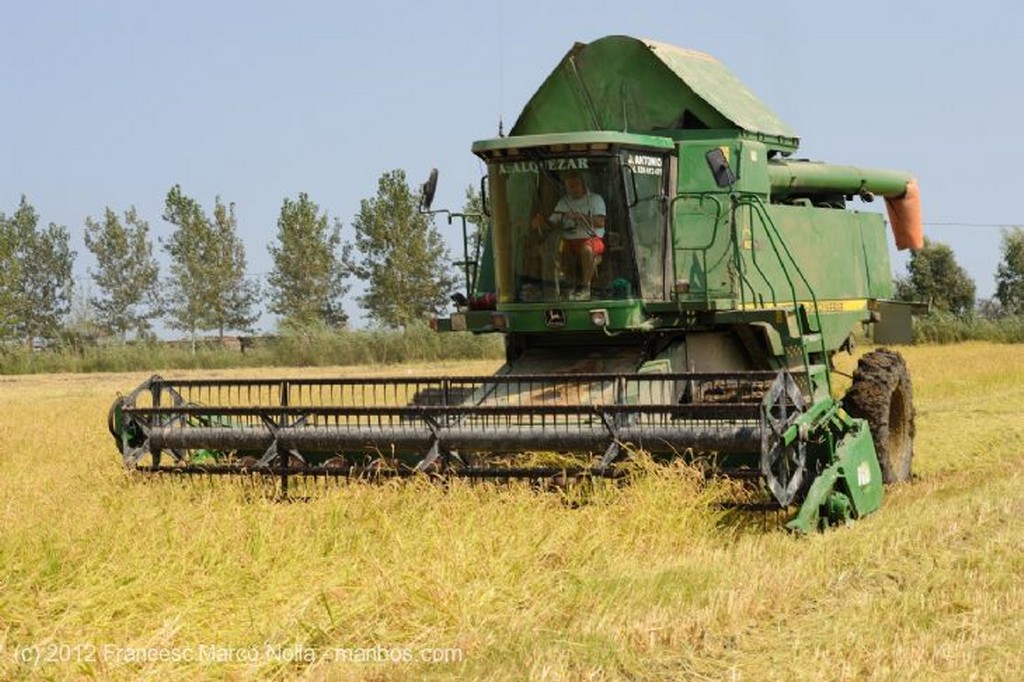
{"points": [[10, 273], [209, 289], [402, 258], [126, 273], [235, 295], [188, 246], [307, 283], [473, 209], [1010, 273], [82, 327], [935, 276], [477, 224], [990, 309], [36, 289]]}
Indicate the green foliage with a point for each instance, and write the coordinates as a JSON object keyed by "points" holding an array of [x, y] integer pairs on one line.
{"points": [[235, 296], [944, 327], [209, 289], [311, 347], [417, 343], [935, 276], [82, 328], [188, 247], [307, 283], [35, 289], [903, 290], [1010, 273], [990, 309], [401, 256], [10, 273], [473, 208], [126, 272]]}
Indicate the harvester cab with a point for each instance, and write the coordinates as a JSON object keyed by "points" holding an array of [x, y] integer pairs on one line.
{"points": [[667, 279]]}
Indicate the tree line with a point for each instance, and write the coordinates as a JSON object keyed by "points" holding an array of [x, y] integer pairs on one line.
{"points": [[934, 276], [397, 251]]}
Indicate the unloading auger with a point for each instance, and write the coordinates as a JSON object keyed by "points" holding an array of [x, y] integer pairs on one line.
{"points": [[667, 279]]}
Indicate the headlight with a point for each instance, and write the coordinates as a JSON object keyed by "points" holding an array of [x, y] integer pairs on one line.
{"points": [[599, 317]]}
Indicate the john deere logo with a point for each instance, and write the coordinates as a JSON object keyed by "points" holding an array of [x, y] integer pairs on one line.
{"points": [[554, 317]]}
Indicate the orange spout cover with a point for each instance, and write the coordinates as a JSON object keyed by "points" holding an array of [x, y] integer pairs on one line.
{"points": [[905, 217]]}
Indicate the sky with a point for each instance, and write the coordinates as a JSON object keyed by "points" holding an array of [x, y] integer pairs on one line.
{"points": [[110, 103]]}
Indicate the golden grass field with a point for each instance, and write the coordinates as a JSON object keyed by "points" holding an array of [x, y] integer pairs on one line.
{"points": [[648, 581]]}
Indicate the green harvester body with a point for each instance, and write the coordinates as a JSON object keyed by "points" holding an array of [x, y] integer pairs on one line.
{"points": [[771, 271], [732, 273]]}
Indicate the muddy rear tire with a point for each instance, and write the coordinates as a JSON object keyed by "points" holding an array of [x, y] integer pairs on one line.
{"points": [[881, 394]]}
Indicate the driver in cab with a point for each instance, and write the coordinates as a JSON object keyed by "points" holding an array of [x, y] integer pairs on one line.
{"points": [[580, 215]]}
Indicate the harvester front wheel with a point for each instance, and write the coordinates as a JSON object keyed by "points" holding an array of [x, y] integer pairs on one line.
{"points": [[881, 394]]}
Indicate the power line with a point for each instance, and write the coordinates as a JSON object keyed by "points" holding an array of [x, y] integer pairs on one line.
{"points": [[975, 224]]}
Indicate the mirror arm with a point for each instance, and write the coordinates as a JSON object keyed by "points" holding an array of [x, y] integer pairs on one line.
{"points": [[483, 196]]}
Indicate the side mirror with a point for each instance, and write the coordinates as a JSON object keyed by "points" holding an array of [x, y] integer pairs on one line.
{"points": [[427, 190], [720, 169]]}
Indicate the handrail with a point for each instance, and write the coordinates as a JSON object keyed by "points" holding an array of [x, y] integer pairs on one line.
{"points": [[781, 251], [758, 207], [703, 250], [757, 266]]}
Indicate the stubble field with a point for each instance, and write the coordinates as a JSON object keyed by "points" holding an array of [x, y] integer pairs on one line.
{"points": [[107, 576]]}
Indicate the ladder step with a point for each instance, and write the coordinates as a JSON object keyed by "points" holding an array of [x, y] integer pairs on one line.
{"points": [[811, 340]]}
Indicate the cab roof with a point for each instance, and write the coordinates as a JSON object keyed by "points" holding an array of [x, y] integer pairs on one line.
{"points": [[619, 83]]}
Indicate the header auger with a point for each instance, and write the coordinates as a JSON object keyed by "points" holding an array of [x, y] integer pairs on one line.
{"points": [[667, 279]]}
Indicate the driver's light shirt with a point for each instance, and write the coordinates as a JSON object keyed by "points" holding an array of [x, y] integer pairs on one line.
{"points": [[575, 215]]}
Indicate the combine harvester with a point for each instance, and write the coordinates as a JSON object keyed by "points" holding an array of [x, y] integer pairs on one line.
{"points": [[728, 276]]}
